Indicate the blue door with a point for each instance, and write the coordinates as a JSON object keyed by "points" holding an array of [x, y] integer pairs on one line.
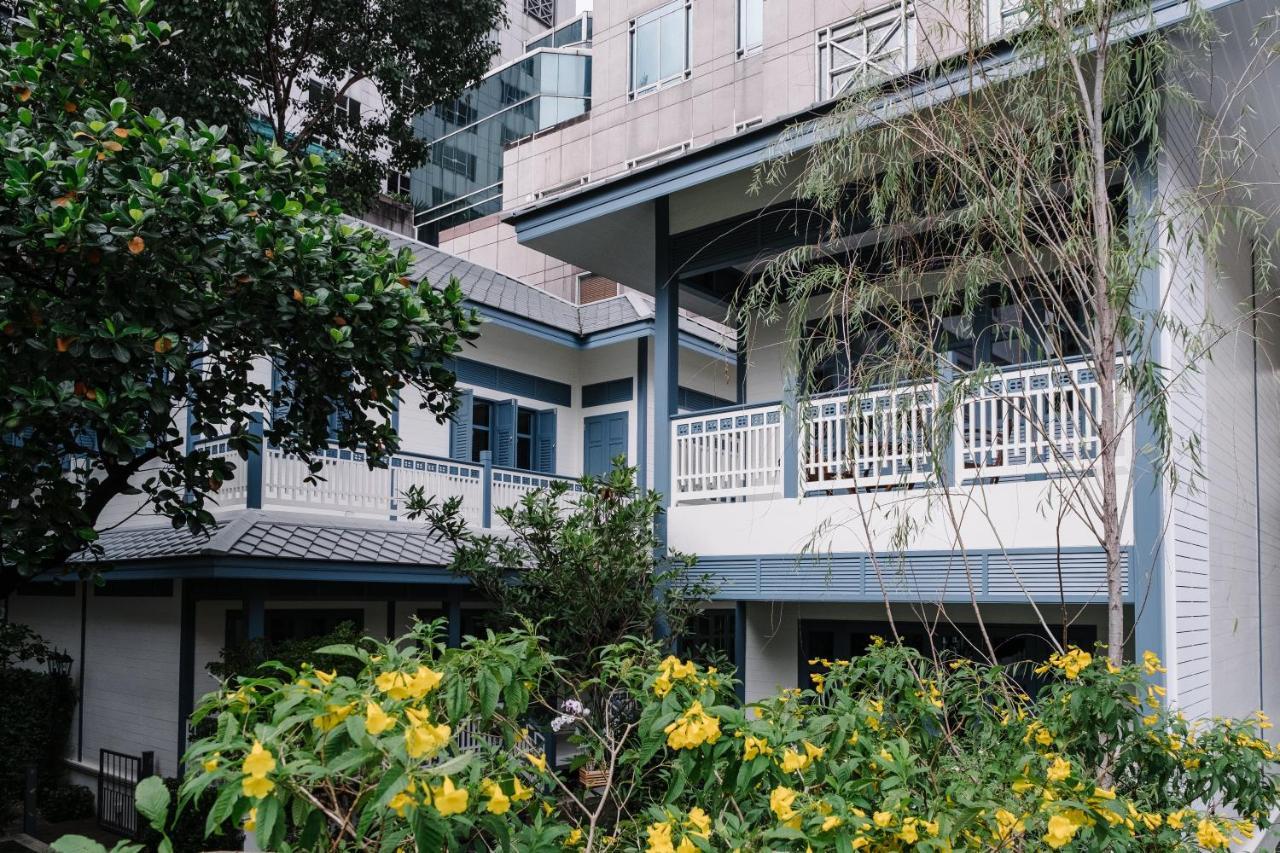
{"points": [[604, 437]]}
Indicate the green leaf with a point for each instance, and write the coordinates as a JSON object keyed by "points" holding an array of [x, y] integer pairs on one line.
{"points": [[118, 106], [153, 801], [268, 817], [222, 808], [76, 844]]}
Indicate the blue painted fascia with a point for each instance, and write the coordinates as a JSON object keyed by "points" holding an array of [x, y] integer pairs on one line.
{"points": [[595, 340], [232, 568]]}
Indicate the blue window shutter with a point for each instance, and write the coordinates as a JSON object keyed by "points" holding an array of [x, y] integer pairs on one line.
{"points": [[503, 433], [544, 437], [278, 381], [460, 428]]}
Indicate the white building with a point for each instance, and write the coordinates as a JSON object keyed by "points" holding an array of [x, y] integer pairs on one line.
{"points": [[648, 189]]}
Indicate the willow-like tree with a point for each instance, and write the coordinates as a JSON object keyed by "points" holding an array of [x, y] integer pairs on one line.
{"points": [[1013, 209]]}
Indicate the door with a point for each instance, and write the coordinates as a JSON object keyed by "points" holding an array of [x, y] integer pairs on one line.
{"points": [[604, 437]]}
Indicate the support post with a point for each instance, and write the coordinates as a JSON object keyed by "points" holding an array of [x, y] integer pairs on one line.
{"points": [[255, 615], [455, 621], [666, 355], [30, 784], [253, 480], [740, 379], [948, 473], [642, 413], [740, 646], [790, 437], [186, 663], [486, 489]]}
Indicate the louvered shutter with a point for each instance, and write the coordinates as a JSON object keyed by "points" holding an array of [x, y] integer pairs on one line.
{"points": [[460, 428], [503, 432], [544, 437]]}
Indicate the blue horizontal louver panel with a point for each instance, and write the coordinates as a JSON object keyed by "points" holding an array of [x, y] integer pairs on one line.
{"points": [[604, 393], [471, 372]]}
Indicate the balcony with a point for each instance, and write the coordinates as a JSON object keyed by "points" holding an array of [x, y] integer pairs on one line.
{"points": [[350, 488], [843, 497], [1030, 422]]}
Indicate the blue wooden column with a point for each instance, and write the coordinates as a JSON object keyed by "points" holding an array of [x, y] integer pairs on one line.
{"points": [[255, 614], [791, 403], [1147, 564], [253, 479], [666, 356], [740, 646]]}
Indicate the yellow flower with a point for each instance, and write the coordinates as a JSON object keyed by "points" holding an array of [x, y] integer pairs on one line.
{"points": [[1209, 835], [1009, 824], [699, 822], [334, 714], [256, 786], [499, 802], [1150, 719], [211, 763], [251, 820], [1151, 663], [425, 739], [1072, 662], [753, 746], [814, 752], [1059, 769], [575, 837], [538, 761], [1175, 819], [694, 728], [1062, 828], [793, 762], [1104, 793], [449, 800], [399, 685], [882, 819], [660, 838], [519, 791], [909, 833], [686, 846], [376, 720], [401, 802], [831, 823], [780, 801], [259, 762], [326, 677]]}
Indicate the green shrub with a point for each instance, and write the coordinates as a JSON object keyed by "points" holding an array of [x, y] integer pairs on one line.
{"points": [[59, 803], [246, 658], [186, 828], [36, 706]]}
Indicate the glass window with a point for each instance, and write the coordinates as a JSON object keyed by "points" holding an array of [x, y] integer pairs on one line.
{"points": [[659, 47], [525, 421], [750, 25], [709, 638], [481, 420]]}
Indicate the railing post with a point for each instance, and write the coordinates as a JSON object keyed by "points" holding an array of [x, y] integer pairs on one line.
{"points": [[486, 489], [253, 476], [790, 438], [948, 455]]}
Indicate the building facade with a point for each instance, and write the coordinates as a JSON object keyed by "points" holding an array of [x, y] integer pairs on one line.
{"points": [[638, 176]]}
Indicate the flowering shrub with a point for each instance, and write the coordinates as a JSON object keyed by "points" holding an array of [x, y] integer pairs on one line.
{"points": [[890, 751]]}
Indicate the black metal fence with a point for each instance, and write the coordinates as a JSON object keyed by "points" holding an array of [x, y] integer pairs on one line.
{"points": [[118, 777]]}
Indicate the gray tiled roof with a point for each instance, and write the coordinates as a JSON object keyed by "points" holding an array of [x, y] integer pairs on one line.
{"points": [[281, 535], [490, 287]]}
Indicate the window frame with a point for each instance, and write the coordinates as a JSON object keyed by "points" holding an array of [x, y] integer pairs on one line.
{"points": [[900, 14], [531, 436], [745, 49], [652, 16]]}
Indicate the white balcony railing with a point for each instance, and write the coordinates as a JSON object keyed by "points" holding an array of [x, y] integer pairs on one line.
{"points": [[1021, 422], [351, 488]]}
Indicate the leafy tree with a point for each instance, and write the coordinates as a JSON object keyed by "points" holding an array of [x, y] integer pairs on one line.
{"points": [[286, 68], [583, 566], [148, 273]]}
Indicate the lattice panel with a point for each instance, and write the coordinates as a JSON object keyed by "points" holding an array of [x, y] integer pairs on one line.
{"points": [[865, 49], [543, 11]]}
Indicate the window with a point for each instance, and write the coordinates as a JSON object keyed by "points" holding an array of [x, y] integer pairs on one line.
{"points": [[865, 49], [1005, 16], [284, 625], [709, 638], [398, 183], [485, 435], [750, 26], [345, 108], [660, 47], [454, 159]]}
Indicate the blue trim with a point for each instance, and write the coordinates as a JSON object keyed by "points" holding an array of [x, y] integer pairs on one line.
{"points": [[740, 376], [249, 568], [607, 393], [255, 608], [253, 481], [914, 576], [454, 607], [626, 433], [642, 416], [186, 665], [473, 372], [604, 338], [694, 401], [1147, 566], [486, 489], [790, 439]]}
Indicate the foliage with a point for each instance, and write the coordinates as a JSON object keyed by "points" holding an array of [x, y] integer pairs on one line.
{"points": [[150, 271], [63, 802], [565, 544], [232, 63], [245, 659], [185, 830], [889, 751], [37, 708]]}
